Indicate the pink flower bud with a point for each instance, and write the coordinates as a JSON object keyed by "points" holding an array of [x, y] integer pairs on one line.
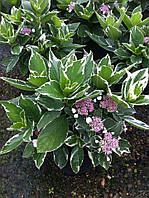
{"points": [[26, 31], [35, 143]]}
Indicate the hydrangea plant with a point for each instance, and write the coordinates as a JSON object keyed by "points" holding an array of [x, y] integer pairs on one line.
{"points": [[34, 24], [73, 109]]}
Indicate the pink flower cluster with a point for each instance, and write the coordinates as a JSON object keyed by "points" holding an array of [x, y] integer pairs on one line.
{"points": [[108, 143], [108, 104], [85, 106], [116, 4], [146, 39], [26, 31], [105, 9], [96, 124], [71, 7]]}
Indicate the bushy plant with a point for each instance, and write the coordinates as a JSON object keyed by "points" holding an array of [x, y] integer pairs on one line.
{"points": [[73, 105]]}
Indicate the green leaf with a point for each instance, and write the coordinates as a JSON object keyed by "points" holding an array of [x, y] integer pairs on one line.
{"points": [[93, 94], [105, 72], [79, 92], [2, 40], [104, 161], [99, 82], [56, 20], [68, 59], [109, 123], [131, 48], [51, 89], [121, 103], [136, 18], [88, 64], [10, 61], [118, 75], [26, 5], [101, 21], [40, 6], [64, 80], [136, 36], [37, 66], [12, 2], [117, 128], [28, 133], [95, 158], [136, 59], [110, 20], [54, 67], [81, 30], [82, 122], [73, 27], [12, 143], [72, 45], [16, 126], [113, 33], [13, 111], [53, 135], [75, 72], [137, 9], [98, 113], [136, 123], [72, 140], [105, 61], [144, 22], [50, 104], [107, 44], [32, 110], [128, 111], [20, 84], [47, 17], [29, 150], [76, 159], [61, 156], [39, 159], [142, 100], [7, 30], [37, 80], [123, 144], [47, 118], [122, 53], [127, 21], [16, 50], [134, 84]]}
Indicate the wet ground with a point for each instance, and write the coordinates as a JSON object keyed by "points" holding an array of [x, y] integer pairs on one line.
{"points": [[19, 178]]}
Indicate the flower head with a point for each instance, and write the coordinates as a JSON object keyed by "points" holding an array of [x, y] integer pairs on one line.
{"points": [[108, 104], [108, 143], [71, 7], [26, 31], [85, 106], [96, 124], [105, 9]]}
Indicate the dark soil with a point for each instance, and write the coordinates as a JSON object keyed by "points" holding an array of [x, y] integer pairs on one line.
{"points": [[127, 178]]}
